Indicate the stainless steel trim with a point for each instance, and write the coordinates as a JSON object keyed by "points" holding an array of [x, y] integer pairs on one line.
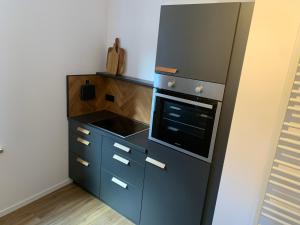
{"points": [[82, 162], [84, 131], [121, 159], [118, 182], [121, 147], [82, 141], [214, 133], [204, 105], [188, 86], [156, 163]]}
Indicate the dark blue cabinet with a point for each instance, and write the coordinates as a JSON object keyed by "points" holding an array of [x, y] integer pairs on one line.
{"points": [[121, 195], [197, 39], [85, 156], [122, 176], [86, 174], [149, 184], [174, 188]]}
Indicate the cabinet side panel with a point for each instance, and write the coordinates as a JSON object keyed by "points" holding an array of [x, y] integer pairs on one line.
{"points": [[232, 84]]}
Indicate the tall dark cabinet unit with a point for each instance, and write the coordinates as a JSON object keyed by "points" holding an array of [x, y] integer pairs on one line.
{"points": [[203, 42]]}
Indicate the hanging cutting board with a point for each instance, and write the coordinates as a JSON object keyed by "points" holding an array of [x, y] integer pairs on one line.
{"points": [[121, 63], [115, 59]]}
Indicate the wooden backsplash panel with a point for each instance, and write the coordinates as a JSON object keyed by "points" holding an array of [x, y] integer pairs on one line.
{"points": [[131, 100]]}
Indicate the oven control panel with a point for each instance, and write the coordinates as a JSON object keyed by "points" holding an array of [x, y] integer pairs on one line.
{"points": [[189, 86]]}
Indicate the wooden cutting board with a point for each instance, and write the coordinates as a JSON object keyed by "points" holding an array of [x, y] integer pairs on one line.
{"points": [[115, 59]]}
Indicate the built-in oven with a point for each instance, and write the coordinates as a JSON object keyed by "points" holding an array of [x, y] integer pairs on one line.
{"points": [[186, 121]]}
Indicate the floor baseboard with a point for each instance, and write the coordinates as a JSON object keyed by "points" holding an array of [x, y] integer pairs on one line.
{"points": [[34, 197]]}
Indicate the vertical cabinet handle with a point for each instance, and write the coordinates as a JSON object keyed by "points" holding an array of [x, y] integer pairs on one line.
{"points": [[82, 141], [118, 182], [121, 147], [84, 131], [156, 163], [121, 159], [82, 162]]}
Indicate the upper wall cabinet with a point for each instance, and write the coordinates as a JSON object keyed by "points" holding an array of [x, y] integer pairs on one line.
{"points": [[197, 40]]}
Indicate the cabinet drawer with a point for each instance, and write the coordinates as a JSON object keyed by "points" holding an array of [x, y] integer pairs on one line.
{"points": [[86, 147], [124, 148], [82, 129], [85, 173], [121, 196], [123, 166]]}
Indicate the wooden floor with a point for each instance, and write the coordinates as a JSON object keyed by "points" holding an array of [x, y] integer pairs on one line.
{"points": [[67, 206]]}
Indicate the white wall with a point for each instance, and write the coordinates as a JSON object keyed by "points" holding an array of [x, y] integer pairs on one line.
{"points": [[136, 23], [259, 110], [40, 42]]}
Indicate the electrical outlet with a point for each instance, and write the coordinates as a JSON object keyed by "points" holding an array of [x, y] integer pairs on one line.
{"points": [[110, 98]]}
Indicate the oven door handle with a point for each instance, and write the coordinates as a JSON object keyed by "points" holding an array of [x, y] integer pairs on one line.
{"points": [[187, 101]]}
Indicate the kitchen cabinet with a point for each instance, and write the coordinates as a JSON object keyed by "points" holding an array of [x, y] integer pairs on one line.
{"points": [[122, 176], [197, 40], [174, 188], [144, 181], [85, 156]]}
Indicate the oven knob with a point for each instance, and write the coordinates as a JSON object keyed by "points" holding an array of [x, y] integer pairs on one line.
{"points": [[199, 89], [171, 84]]}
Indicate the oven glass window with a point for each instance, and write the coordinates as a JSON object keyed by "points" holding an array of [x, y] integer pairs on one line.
{"points": [[183, 125]]}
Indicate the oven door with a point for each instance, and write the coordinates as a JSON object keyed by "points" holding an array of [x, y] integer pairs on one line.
{"points": [[185, 123]]}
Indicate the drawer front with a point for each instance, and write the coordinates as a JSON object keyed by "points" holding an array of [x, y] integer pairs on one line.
{"points": [[123, 166], [85, 173], [86, 147], [84, 130], [122, 147], [121, 196]]}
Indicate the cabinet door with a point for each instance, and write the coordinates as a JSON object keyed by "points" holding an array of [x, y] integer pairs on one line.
{"points": [[174, 188], [85, 173], [197, 39]]}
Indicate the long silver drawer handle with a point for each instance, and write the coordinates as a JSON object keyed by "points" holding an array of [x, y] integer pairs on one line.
{"points": [[176, 108], [118, 182], [156, 163], [175, 115], [82, 162], [173, 129], [82, 141], [84, 131], [121, 147], [121, 159]]}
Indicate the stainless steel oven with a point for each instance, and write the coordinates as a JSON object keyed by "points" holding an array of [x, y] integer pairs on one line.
{"points": [[185, 115]]}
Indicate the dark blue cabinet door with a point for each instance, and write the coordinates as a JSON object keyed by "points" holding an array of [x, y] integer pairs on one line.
{"points": [[197, 39], [174, 188], [85, 173], [85, 156]]}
